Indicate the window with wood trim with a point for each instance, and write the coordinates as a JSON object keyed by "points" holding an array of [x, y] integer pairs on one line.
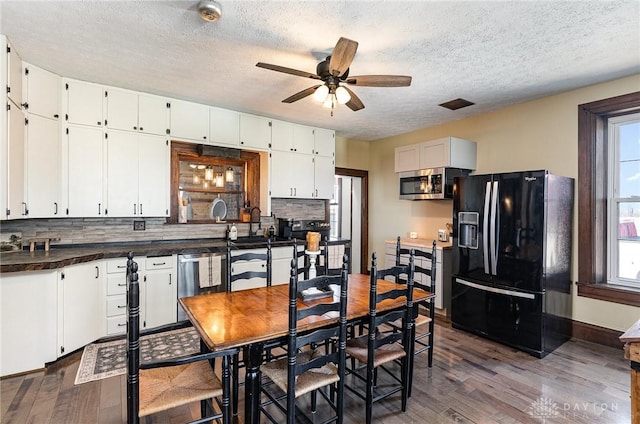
{"points": [[594, 192]]}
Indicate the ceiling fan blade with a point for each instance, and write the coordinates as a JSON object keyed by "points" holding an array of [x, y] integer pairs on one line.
{"points": [[301, 95], [342, 56], [380, 81], [287, 70], [354, 103]]}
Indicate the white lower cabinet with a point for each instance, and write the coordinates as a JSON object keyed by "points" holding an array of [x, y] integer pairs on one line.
{"points": [[79, 305], [161, 291], [158, 293], [281, 264], [28, 312]]}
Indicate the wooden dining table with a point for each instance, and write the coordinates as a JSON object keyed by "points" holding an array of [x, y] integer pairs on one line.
{"points": [[249, 319]]}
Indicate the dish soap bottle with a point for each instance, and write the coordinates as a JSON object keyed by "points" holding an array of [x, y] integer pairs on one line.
{"points": [[233, 232]]}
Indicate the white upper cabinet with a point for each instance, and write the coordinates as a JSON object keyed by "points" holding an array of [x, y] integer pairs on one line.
{"points": [[324, 142], [281, 136], [448, 152], [153, 114], [83, 102], [43, 167], [224, 127], [121, 109], [85, 175], [137, 174], [42, 92], [407, 158], [132, 111], [189, 121], [324, 173], [255, 132], [14, 83], [16, 201]]}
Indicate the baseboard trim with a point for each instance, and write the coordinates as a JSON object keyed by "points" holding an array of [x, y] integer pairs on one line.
{"points": [[596, 334]]}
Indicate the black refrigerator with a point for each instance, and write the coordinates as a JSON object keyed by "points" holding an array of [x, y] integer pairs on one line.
{"points": [[511, 254]]}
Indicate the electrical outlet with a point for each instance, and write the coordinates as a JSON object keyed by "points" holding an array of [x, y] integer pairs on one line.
{"points": [[138, 226]]}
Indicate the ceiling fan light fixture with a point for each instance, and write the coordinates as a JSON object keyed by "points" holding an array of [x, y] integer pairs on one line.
{"points": [[321, 93], [342, 95]]}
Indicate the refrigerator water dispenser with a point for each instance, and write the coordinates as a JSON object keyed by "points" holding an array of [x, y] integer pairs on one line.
{"points": [[468, 229]]}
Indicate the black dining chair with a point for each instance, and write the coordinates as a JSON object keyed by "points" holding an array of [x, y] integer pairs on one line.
{"points": [[329, 266], [424, 278], [303, 261], [157, 386], [380, 348], [311, 365], [242, 267]]}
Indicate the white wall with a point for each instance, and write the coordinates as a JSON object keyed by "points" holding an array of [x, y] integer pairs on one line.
{"points": [[540, 134]]}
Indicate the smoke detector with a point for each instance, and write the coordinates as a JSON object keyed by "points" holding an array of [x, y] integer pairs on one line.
{"points": [[209, 10]]}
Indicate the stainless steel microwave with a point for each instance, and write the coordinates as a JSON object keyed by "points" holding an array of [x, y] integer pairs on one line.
{"points": [[426, 184]]}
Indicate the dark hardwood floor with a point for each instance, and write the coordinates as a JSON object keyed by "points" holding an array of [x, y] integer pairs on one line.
{"points": [[473, 381]]}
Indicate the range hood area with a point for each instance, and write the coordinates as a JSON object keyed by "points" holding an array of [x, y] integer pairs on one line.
{"points": [[426, 170]]}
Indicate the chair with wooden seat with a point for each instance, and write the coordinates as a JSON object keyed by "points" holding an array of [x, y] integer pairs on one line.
{"points": [[311, 365], [245, 268], [380, 348], [161, 385], [424, 278]]}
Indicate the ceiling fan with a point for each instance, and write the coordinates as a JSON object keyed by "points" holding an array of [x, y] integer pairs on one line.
{"points": [[334, 74]]}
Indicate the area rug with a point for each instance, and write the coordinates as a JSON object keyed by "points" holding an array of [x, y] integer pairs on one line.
{"points": [[102, 360]]}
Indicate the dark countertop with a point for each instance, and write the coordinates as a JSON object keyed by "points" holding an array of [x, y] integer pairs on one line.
{"points": [[61, 256]]}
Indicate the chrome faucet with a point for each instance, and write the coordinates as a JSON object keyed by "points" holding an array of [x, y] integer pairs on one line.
{"points": [[251, 233]]}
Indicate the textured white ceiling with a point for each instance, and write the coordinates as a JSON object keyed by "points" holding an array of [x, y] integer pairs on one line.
{"points": [[492, 53]]}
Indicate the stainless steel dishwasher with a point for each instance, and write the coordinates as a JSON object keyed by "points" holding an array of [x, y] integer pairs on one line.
{"points": [[201, 273]]}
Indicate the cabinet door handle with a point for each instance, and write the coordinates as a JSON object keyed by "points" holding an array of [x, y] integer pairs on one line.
{"points": [[135, 128], [122, 306], [25, 210], [159, 263], [122, 284], [134, 208], [295, 191], [99, 123], [56, 116], [122, 325], [141, 128], [55, 210], [99, 208], [316, 192], [140, 208], [121, 266], [169, 279], [97, 272]]}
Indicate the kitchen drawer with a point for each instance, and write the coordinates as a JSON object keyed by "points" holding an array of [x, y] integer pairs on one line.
{"points": [[116, 284], [116, 325], [117, 266], [282, 252], [160, 262], [116, 305]]}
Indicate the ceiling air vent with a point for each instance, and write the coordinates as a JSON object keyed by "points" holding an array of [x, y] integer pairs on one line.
{"points": [[456, 104]]}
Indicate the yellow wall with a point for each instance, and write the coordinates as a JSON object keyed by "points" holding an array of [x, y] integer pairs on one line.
{"points": [[540, 134]]}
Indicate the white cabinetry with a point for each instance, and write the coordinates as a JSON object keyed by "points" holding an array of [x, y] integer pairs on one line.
{"points": [[83, 102], [448, 152], [281, 264], [79, 305], [189, 121], [132, 111], [255, 132], [324, 142], [14, 82], [137, 174], [407, 158], [239, 267], [43, 167], [158, 293], [292, 175], [324, 175], [28, 313], [224, 127], [16, 201], [286, 136], [161, 291], [42, 92], [84, 165]]}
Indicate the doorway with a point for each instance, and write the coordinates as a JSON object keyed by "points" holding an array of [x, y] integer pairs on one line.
{"points": [[349, 214]]}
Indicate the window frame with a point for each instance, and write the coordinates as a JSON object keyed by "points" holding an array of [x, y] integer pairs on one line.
{"points": [[592, 198], [613, 242]]}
